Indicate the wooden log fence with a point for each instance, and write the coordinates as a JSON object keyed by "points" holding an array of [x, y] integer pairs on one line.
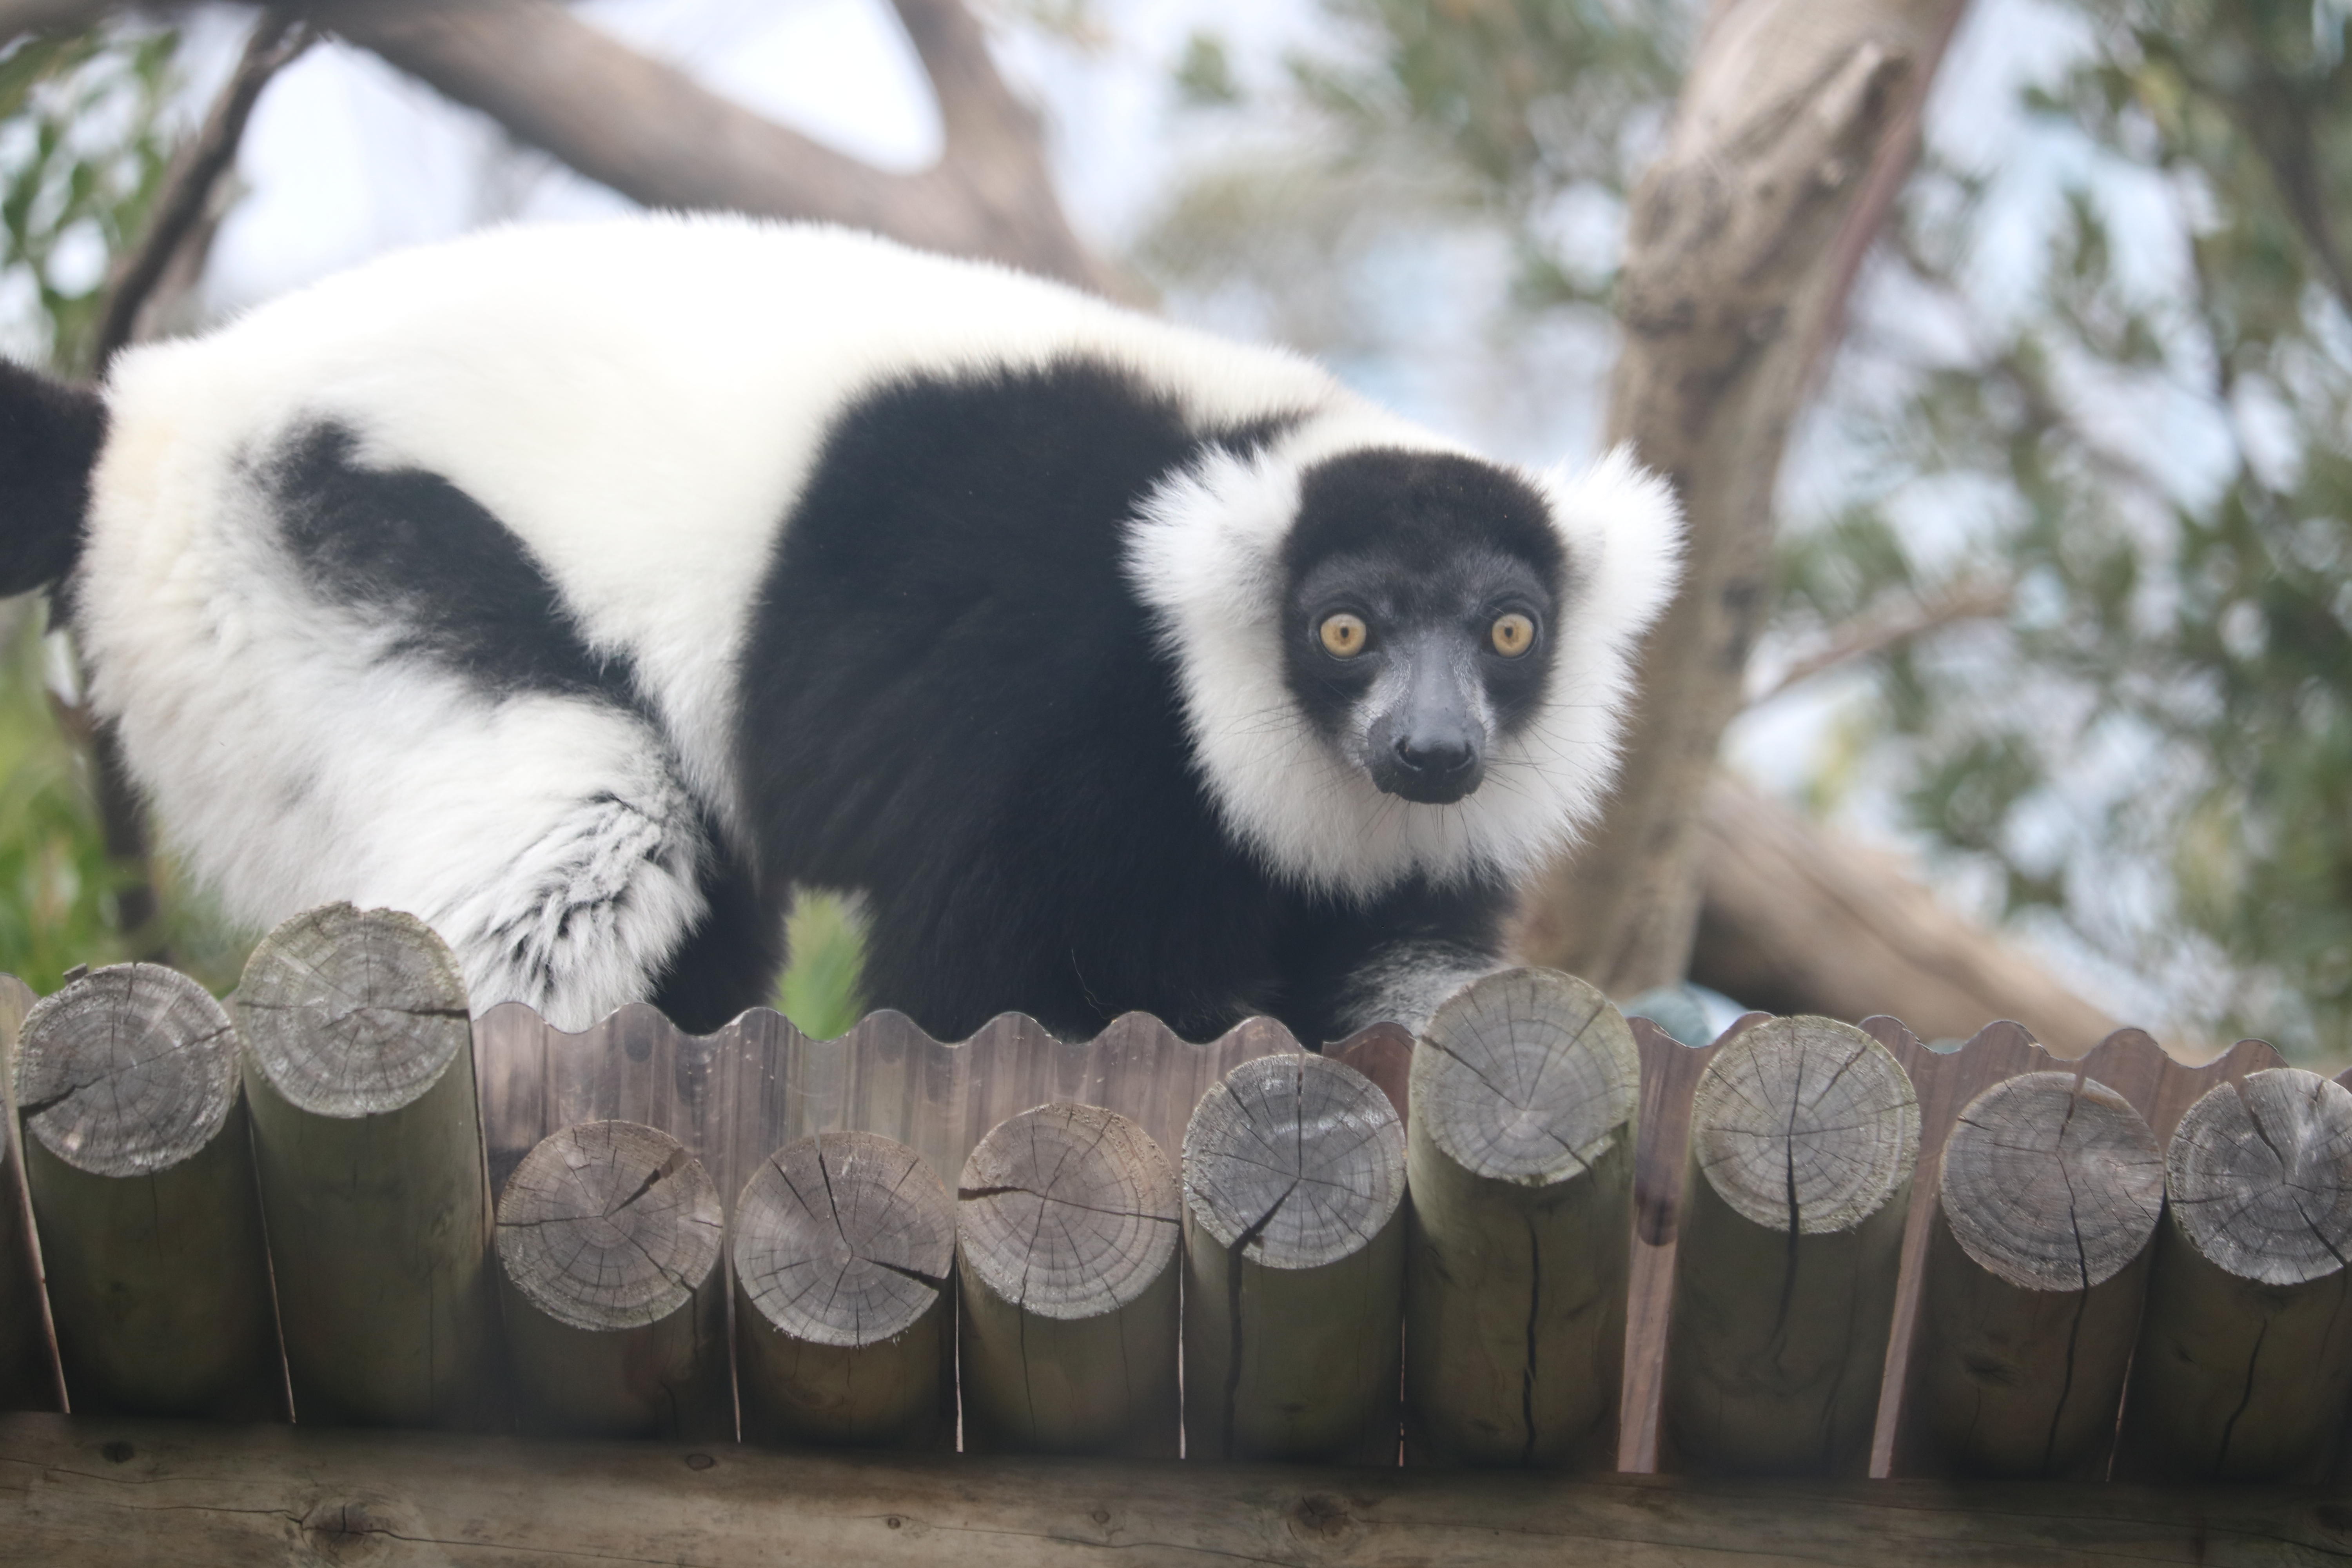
{"points": [[1544, 1237], [140, 1173], [1294, 1265]]}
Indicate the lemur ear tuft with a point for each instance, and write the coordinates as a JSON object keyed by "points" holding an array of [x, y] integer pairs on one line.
{"points": [[1624, 530]]}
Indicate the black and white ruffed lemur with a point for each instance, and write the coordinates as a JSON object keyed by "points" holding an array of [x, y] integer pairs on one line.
{"points": [[582, 590]]}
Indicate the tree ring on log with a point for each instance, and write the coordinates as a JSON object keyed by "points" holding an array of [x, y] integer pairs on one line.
{"points": [[352, 1013], [1774, 1125], [1297, 1161], [128, 1070], [2053, 1181], [1526, 1077], [1067, 1211], [2260, 1177], [844, 1238], [608, 1225]]}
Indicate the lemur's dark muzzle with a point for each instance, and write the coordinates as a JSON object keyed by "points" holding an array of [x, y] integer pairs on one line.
{"points": [[1431, 748]]}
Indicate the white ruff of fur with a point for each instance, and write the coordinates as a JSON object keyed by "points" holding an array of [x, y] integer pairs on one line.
{"points": [[1206, 554]]}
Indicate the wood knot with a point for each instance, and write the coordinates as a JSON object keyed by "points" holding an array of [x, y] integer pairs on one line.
{"points": [[1321, 1516], [351, 1530], [117, 1452], [699, 1461]]}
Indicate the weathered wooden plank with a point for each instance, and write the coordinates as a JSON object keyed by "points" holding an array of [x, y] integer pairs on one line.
{"points": [[1521, 1152], [613, 1298], [735, 1097], [29, 1375], [113, 1494], [1067, 1276], [1670, 1075], [844, 1300], [1294, 1265], [1803, 1134], [2051, 1187], [140, 1173], [368, 1146], [2245, 1351]]}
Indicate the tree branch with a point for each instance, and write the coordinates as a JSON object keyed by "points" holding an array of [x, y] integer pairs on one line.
{"points": [[192, 182], [656, 135], [1875, 635], [1798, 920], [18, 18]]}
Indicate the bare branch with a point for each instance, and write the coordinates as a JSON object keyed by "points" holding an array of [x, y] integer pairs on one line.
{"points": [[1878, 634], [1797, 920], [654, 134], [18, 18], [190, 186]]}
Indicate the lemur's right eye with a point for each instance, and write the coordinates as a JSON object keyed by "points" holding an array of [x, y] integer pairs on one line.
{"points": [[1342, 635]]}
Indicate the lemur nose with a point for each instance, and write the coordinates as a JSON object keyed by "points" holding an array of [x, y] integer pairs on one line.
{"points": [[1436, 756]]}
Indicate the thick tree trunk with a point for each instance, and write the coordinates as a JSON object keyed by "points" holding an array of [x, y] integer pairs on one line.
{"points": [[1740, 254]]}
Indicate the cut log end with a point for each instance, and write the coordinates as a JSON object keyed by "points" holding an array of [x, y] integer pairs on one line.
{"points": [[352, 1013], [1297, 1160], [128, 1070], [1067, 1211], [609, 1226], [1806, 1124], [2052, 1183], [2261, 1176], [844, 1238], [1527, 1075]]}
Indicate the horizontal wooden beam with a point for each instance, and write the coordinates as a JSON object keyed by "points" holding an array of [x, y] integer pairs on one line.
{"points": [[89, 1492]]}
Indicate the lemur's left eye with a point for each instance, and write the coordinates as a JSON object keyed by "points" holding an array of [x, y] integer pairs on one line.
{"points": [[1513, 634], [1342, 635]]}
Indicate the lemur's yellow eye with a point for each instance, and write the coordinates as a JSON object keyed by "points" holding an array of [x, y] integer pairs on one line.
{"points": [[1342, 635], [1513, 634]]}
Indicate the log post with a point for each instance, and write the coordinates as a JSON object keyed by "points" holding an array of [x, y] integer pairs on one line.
{"points": [[1519, 1152], [845, 1319], [142, 1181], [2051, 1186], [1294, 1261], [1065, 1251], [29, 1379], [359, 1074], [2245, 1350], [615, 1305], [1803, 1134]]}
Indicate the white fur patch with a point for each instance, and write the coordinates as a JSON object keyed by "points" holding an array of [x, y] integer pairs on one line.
{"points": [[1205, 554]]}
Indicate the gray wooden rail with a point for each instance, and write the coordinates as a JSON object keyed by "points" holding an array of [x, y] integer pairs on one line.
{"points": [[1805, 1251]]}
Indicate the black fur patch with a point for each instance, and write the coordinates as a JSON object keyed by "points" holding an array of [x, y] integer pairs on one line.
{"points": [[458, 586], [49, 439], [730, 960], [954, 702], [1422, 507]]}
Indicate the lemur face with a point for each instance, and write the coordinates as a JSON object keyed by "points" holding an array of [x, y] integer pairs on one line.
{"points": [[1418, 622]]}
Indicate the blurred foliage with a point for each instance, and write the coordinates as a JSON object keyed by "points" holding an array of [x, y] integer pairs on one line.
{"points": [[1527, 118], [84, 140], [819, 990], [83, 147], [2168, 708]]}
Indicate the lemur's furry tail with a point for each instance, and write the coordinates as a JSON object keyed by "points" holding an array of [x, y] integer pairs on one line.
{"points": [[49, 438]]}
